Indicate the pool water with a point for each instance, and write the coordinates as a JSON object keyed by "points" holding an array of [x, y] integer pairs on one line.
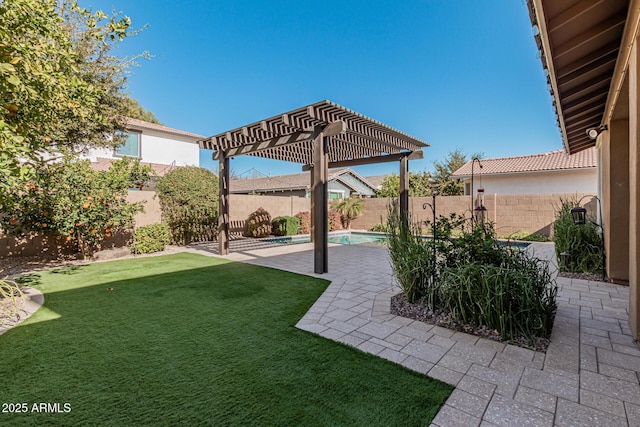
{"points": [[357, 238], [342, 238]]}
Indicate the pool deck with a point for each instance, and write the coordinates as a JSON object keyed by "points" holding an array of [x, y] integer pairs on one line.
{"points": [[590, 375]]}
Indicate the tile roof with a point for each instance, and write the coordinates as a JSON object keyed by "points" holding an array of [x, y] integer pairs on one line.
{"points": [[553, 161], [376, 180], [103, 164], [142, 125], [298, 181]]}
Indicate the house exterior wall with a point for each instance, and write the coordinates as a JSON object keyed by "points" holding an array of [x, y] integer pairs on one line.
{"points": [[574, 181], [159, 148]]}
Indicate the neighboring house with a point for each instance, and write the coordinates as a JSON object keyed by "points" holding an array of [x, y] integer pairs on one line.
{"points": [[161, 147], [342, 183], [554, 172], [376, 180]]}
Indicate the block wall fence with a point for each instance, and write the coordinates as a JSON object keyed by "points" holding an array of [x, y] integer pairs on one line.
{"points": [[533, 213]]}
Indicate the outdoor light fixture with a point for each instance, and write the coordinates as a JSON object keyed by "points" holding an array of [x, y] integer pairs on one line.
{"points": [[579, 215], [473, 162], [593, 133]]}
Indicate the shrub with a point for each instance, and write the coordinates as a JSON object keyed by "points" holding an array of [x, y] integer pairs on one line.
{"points": [[582, 243], [259, 224], [189, 201], [150, 238], [335, 220], [379, 228], [527, 237], [305, 222], [285, 226], [472, 277], [513, 297], [74, 201], [411, 257]]}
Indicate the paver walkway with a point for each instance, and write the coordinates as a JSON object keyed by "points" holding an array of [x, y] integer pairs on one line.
{"points": [[588, 377]]}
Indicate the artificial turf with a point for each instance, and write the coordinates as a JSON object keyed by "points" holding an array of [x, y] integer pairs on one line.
{"points": [[191, 340]]}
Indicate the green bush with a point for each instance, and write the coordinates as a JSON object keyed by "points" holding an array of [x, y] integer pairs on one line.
{"points": [[305, 222], [379, 228], [582, 243], [189, 201], [285, 226], [259, 224], [150, 238], [513, 297], [411, 257], [472, 277], [526, 236]]}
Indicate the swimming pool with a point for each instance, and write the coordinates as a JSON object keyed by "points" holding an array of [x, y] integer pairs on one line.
{"points": [[363, 237], [340, 237]]}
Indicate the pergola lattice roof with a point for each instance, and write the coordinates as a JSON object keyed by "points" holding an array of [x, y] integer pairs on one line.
{"points": [[289, 137]]}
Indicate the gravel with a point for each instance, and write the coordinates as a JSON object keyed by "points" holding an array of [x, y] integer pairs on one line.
{"points": [[420, 311]]}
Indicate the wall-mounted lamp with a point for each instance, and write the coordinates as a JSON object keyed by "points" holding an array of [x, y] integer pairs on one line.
{"points": [[594, 132]]}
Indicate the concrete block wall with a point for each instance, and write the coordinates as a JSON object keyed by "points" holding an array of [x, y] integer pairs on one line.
{"points": [[534, 213]]}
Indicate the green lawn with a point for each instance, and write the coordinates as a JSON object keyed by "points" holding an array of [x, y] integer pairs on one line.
{"points": [[192, 340]]}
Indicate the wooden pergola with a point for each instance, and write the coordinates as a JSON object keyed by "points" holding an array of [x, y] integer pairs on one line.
{"points": [[319, 136]]}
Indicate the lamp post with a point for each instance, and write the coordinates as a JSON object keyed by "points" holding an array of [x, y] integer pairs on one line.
{"points": [[579, 217], [473, 162], [432, 205]]}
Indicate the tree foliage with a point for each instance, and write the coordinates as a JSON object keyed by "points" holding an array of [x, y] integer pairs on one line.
{"points": [[60, 89], [137, 111], [189, 200], [419, 185], [443, 169], [75, 202]]}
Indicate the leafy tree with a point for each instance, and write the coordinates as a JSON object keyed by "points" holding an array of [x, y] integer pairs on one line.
{"points": [[443, 169], [349, 209], [76, 202], [419, 185], [189, 200], [390, 186], [60, 89], [137, 111]]}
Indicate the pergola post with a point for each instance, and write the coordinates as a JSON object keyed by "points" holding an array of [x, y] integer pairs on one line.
{"points": [[311, 212], [223, 219], [404, 190], [319, 204]]}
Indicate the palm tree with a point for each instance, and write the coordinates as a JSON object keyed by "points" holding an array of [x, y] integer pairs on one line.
{"points": [[349, 209]]}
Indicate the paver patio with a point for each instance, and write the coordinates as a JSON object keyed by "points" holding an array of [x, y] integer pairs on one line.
{"points": [[588, 377]]}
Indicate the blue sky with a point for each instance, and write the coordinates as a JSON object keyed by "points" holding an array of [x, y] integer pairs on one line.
{"points": [[456, 74]]}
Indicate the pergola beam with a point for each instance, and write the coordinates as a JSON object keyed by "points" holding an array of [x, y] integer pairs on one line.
{"points": [[413, 155]]}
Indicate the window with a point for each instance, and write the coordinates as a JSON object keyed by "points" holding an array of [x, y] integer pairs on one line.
{"points": [[131, 146]]}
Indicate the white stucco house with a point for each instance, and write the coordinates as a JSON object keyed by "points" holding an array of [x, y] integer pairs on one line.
{"points": [[161, 147], [554, 172]]}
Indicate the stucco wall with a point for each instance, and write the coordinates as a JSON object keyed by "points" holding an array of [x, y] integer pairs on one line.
{"points": [[576, 181], [159, 148]]}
